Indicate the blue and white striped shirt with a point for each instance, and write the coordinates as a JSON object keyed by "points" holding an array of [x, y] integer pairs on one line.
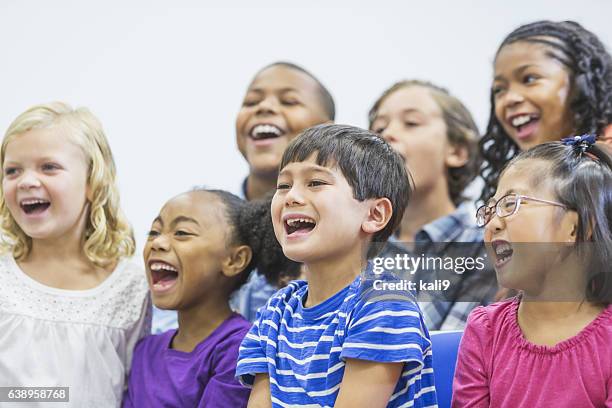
{"points": [[304, 349]]}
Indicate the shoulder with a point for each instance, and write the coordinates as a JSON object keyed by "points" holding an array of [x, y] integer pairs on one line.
{"points": [[284, 296], [490, 319], [152, 345]]}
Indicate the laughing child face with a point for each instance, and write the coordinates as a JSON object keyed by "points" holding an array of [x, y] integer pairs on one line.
{"points": [[279, 103], [531, 92], [187, 251]]}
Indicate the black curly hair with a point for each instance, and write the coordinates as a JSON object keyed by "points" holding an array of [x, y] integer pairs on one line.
{"points": [[251, 224], [590, 67]]}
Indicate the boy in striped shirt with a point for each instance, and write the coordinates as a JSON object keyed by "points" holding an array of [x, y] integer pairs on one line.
{"points": [[331, 342]]}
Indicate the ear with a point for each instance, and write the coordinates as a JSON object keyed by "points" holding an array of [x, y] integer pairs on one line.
{"points": [[569, 226], [235, 262], [456, 155], [379, 214]]}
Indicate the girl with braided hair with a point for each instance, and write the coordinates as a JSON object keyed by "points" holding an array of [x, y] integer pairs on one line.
{"points": [[551, 80]]}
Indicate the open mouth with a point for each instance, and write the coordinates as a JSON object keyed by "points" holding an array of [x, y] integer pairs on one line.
{"points": [[299, 226], [34, 205], [524, 124], [265, 131], [503, 252], [163, 275]]}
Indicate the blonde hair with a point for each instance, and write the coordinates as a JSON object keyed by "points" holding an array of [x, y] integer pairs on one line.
{"points": [[108, 236]]}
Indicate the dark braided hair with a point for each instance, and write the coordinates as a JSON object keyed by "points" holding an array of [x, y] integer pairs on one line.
{"points": [[250, 224], [590, 67]]}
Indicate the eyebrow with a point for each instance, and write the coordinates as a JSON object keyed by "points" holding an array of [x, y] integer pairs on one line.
{"points": [[311, 168], [518, 70], [180, 218], [282, 90]]}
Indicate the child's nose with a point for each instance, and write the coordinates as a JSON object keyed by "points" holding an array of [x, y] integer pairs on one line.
{"points": [[269, 104], [495, 225], [512, 97], [160, 243], [294, 197], [28, 180]]}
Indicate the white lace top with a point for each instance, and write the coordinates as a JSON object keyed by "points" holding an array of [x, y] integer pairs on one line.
{"points": [[82, 339]]}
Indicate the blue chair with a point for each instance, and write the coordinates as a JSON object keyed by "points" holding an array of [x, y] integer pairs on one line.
{"points": [[445, 345]]}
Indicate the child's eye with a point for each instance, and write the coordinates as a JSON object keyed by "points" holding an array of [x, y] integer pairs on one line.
{"points": [[50, 167], [411, 124], [181, 233], [152, 234], [250, 102], [316, 183], [283, 186], [529, 78], [290, 102], [10, 171], [496, 90], [378, 130]]}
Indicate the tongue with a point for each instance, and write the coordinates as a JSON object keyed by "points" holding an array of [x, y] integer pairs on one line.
{"points": [[35, 208], [166, 280], [527, 129]]}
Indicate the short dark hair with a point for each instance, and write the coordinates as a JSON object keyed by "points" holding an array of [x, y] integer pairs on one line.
{"points": [[325, 97], [590, 67], [461, 130], [582, 181], [370, 165]]}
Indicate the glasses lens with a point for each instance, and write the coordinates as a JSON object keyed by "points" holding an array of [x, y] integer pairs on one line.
{"points": [[483, 214], [507, 205]]}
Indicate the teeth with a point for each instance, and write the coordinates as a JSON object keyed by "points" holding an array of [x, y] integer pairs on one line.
{"points": [[501, 248], [520, 120], [267, 129], [294, 221], [33, 201], [158, 266]]}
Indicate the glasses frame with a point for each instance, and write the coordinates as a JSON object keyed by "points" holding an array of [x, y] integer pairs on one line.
{"points": [[519, 198]]}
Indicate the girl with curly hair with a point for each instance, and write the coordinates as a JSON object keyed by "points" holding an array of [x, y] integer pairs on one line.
{"points": [[551, 80], [71, 307]]}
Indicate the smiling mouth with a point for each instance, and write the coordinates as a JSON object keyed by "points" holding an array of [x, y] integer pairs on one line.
{"points": [[503, 252], [163, 275], [265, 131], [34, 206], [524, 124], [299, 226]]}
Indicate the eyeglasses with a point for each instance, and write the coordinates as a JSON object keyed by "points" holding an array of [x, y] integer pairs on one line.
{"points": [[505, 207]]}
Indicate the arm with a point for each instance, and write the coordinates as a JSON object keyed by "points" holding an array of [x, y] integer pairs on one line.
{"points": [[260, 394], [471, 382], [367, 384]]}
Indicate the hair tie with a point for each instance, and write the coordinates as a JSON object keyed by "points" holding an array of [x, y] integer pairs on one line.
{"points": [[581, 142]]}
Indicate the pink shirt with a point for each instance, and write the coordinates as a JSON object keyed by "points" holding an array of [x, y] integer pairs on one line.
{"points": [[497, 367]]}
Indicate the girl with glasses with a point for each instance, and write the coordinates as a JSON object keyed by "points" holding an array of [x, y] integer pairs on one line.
{"points": [[548, 231]]}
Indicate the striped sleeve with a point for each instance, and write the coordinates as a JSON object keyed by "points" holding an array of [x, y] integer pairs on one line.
{"points": [[251, 356], [387, 331]]}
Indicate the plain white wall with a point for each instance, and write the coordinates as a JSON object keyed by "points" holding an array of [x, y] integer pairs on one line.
{"points": [[167, 78]]}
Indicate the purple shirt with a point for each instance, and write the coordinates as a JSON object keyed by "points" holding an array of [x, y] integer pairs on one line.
{"points": [[497, 367], [204, 377]]}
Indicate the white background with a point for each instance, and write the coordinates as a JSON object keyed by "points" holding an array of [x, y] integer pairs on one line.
{"points": [[167, 78]]}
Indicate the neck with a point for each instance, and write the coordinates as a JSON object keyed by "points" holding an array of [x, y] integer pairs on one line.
{"points": [[328, 277], [66, 248], [198, 322], [257, 186], [423, 209]]}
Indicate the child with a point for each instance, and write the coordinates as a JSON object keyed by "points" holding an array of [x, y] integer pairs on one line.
{"points": [[282, 100], [438, 139], [71, 307], [549, 347], [201, 247], [551, 80], [323, 343]]}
